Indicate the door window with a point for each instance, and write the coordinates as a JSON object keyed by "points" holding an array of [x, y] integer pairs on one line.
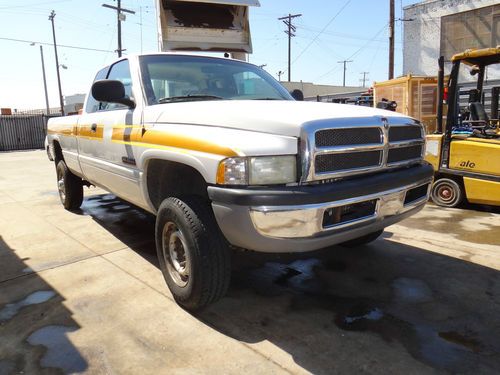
{"points": [[120, 72], [92, 104]]}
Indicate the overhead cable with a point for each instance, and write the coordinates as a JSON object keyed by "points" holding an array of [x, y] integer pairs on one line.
{"points": [[50, 44], [322, 30]]}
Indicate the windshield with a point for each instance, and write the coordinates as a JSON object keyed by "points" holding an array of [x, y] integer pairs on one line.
{"points": [[171, 78]]}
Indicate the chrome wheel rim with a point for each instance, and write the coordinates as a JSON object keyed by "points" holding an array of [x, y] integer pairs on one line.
{"points": [[61, 186], [175, 254]]}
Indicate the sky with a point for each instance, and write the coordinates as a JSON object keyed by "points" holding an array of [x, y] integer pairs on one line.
{"points": [[327, 32]]}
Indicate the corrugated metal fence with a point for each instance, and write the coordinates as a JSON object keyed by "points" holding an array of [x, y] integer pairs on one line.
{"points": [[22, 132]]}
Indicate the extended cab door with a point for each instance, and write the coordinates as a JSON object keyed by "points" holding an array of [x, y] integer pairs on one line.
{"points": [[106, 160]]}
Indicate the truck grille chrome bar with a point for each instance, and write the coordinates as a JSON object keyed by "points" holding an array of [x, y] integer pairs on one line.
{"points": [[346, 147]]}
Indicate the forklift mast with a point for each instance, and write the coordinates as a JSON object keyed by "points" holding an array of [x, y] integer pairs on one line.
{"points": [[453, 118]]}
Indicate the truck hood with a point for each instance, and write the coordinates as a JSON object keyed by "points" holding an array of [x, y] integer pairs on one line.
{"points": [[279, 117]]}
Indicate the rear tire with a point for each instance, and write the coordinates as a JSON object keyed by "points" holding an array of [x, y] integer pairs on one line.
{"points": [[70, 187], [194, 257], [447, 193], [367, 238]]}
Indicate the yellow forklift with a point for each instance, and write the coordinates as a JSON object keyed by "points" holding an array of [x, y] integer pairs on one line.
{"points": [[466, 153]]}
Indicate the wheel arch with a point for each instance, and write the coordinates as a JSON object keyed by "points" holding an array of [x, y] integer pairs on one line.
{"points": [[172, 177], [58, 154]]}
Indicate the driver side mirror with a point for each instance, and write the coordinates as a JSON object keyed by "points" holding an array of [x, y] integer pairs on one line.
{"points": [[111, 91], [297, 95]]}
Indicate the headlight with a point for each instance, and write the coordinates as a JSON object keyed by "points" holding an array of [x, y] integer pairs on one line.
{"points": [[262, 170]]}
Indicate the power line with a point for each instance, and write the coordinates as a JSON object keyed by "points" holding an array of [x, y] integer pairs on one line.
{"points": [[358, 51], [32, 4], [322, 30], [50, 44], [325, 42], [287, 20], [337, 35]]}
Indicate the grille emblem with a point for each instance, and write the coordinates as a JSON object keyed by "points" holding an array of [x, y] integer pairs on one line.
{"points": [[385, 122]]}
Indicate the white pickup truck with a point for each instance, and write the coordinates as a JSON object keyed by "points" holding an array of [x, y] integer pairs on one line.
{"points": [[226, 159]]}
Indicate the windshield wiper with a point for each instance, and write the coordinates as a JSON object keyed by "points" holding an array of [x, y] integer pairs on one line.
{"points": [[268, 99], [170, 99]]}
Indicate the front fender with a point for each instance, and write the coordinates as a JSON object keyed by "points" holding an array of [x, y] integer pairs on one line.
{"points": [[206, 165]]}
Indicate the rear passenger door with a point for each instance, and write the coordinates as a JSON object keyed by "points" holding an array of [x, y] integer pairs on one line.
{"points": [[106, 159]]}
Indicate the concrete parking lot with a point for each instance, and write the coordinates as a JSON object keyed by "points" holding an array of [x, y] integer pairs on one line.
{"points": [[82, 292]]}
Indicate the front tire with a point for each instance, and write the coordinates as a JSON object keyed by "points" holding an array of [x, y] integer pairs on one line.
{"points": [[70, 187], [194, 257], [447, 193]]}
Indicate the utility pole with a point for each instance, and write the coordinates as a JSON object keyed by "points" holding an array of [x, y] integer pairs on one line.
{"points": [[120, 17], [364, 78], [44, 82], [61, 101], [391, 39], [345, 68], [287, 20]]}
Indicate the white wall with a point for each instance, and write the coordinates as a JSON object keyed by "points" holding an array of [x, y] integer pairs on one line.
{"points": [[422, 36]]}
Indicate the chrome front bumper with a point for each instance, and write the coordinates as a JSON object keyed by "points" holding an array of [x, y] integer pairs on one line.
{"points": [[301, 221], [311, 217]]}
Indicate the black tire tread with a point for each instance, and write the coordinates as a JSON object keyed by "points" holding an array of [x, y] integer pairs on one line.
{"points": [[74, 188], [214, 256]]}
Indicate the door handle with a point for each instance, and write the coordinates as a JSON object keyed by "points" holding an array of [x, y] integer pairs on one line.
{"points": [[93, 128]]}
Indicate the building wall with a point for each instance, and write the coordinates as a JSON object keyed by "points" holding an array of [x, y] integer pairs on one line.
{"points": [[311, 90], [422, 36]]}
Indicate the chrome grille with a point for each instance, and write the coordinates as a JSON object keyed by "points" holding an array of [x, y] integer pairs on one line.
{"points": [[401, 154], [352, 136], [404, 133], [352, 160], [345, 147]]}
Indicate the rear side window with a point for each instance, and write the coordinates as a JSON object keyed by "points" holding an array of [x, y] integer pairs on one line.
{"points": [[92, 104]]}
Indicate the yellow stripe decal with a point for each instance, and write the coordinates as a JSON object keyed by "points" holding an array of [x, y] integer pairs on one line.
{"points": [[82, 131], [137, 136], [66, 130], [161, 139], [85, 131]]}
